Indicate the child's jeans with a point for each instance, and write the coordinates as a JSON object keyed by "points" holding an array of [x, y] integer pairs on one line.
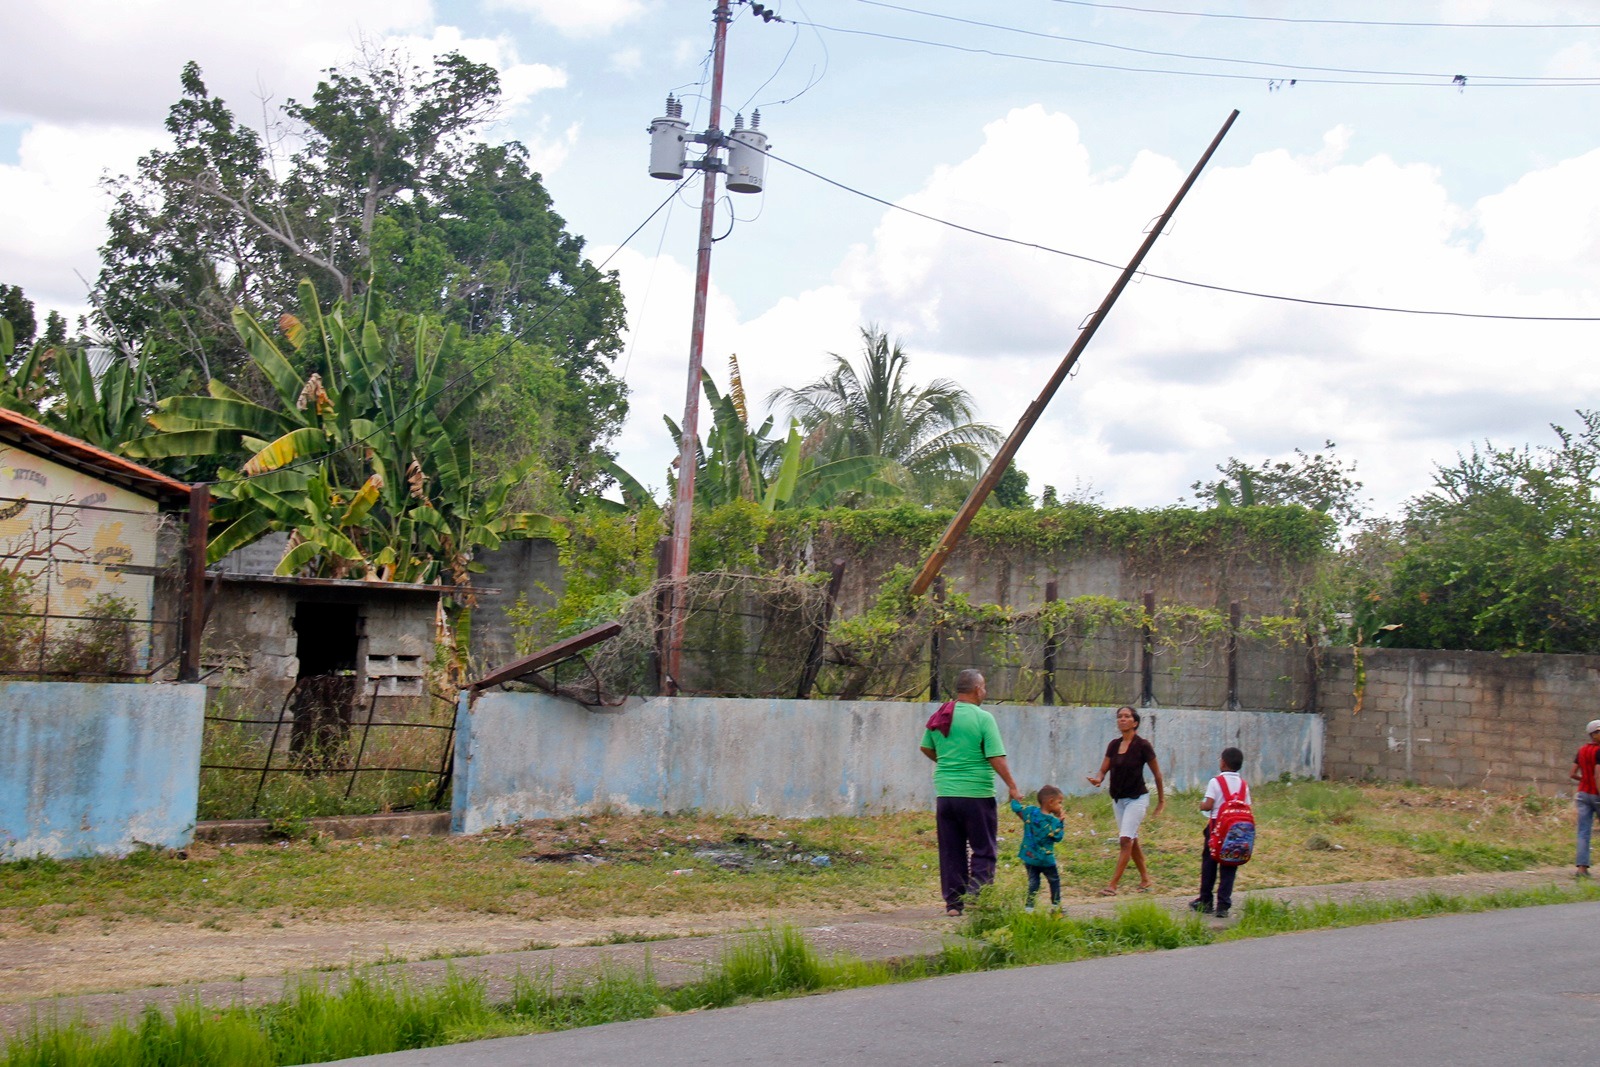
{"points": [[1588, 812], [1051, 874], [1208, 874]]}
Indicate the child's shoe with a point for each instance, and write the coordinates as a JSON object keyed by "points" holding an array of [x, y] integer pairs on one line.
{"points": [[1220, 913], [1027, 909], [1202, 905]]}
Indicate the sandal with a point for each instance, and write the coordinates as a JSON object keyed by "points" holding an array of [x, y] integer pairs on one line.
{"points": [[1108, 892], [1147, 887]]}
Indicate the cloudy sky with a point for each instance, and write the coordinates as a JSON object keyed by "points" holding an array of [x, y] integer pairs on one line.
{"points": [[1359, 172]]}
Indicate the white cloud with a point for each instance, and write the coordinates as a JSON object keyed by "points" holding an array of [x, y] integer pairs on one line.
{"points": [[1180, 378], [785, 345], [1580, 59], [118, 62], [53, 211], [519, 81], [585, 18], [627, 61]]}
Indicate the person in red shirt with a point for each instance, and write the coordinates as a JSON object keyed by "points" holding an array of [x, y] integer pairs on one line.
{"points": [[1588, 794]]}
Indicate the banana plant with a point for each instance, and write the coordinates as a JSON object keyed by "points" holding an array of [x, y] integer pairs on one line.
{"points": [[56, 385], [362, 462], [738, 463]]}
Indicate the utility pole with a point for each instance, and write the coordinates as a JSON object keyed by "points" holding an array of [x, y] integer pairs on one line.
{"points": [[745, 170], [1002, 459]]}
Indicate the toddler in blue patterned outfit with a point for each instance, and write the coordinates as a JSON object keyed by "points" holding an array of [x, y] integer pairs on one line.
{"points": [[1041, 829]]}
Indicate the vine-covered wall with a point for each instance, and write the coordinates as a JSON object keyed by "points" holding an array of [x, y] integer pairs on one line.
{"points": [[1260, 556]]}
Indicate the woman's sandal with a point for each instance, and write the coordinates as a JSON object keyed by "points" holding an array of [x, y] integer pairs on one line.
{"points": [[1147, 887], [1108, 892]]}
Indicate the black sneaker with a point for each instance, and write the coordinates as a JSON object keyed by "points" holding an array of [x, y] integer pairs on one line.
{"points": [[1222, 913], [1201, 905]]}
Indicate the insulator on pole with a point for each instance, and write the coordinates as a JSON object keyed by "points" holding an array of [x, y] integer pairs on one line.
{"points": [[669, 136]]}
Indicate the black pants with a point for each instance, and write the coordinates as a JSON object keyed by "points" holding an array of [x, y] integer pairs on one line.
{"points": [[1208, 874], [966, 825], [1051, 874]]}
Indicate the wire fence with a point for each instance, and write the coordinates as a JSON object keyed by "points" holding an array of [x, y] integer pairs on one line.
{"points": [[322, 754], [766, 636]]}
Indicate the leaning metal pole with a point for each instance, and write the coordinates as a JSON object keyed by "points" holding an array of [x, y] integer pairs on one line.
{"points": [[689, 429], [980, 492]]}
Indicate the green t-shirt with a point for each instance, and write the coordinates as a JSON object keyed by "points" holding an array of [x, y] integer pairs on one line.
{"points": [[963, 768]]}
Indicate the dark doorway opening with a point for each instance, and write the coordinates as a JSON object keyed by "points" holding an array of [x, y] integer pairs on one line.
{"points": [[328, 641]]}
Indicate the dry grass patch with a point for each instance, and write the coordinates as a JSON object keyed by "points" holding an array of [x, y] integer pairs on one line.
{"points": [[621, 866]]}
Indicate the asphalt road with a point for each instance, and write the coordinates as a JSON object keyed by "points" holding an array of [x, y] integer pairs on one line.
{"points": [[1507, 987]]}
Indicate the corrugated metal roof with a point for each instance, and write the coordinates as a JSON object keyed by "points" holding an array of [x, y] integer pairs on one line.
{"points": [[81, 455]]}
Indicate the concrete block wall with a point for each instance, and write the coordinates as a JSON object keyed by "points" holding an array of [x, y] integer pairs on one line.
{"points": [[97, 769], [530, 568], [1465, 719], [1009, 575], [528, 755]]}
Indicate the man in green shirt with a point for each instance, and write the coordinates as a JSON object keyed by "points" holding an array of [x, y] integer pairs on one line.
{"points": [[964, 743]]}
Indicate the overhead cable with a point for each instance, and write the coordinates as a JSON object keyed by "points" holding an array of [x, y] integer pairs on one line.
{"points": [[1339, 22], [1454, 81], [1035, 246], [1474, 78]]}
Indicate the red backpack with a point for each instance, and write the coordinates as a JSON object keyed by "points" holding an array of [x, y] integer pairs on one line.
{"points": [[1233, 831]]}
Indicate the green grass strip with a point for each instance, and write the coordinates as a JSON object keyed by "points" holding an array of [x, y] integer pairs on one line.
{"points": [[314, 1024]]}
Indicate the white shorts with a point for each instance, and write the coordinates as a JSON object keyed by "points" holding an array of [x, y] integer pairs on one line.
{"points": [[1130, 813]]}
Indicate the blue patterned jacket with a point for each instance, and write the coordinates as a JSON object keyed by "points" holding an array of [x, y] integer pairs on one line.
{"points": [[1040, 832]]}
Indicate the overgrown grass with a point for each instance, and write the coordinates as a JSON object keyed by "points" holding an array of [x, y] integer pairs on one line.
{"points": [[307, 786], [314, 1024], [1310, 833]]}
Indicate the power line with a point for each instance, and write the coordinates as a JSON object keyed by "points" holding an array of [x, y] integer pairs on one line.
{"points": [[1454, 82], [1169, 278], [816, 78], [1475, 79], [1340, 22], [472, 370]]}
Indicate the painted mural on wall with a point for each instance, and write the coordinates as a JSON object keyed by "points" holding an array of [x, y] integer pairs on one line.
{"points": [[76, 537]]}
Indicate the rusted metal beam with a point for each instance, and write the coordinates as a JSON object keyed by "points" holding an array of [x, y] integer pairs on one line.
{"points": [[548, 656], [1008, 451], [192, 635]]}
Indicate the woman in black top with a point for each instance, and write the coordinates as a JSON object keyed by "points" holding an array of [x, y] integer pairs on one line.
{"points": [[1125, 759]]}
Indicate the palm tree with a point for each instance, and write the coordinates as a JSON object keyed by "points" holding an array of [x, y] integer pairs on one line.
{"points": [[926, 436]]}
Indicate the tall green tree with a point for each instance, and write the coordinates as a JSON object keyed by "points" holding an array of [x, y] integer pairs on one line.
{"points": [[926, 436], [1321, 481], [1504, 553], [390, 186], [1011, 491], [17, 309]]}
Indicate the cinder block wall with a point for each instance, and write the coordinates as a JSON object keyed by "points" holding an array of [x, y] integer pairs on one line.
{"points": [[1475, 720]]}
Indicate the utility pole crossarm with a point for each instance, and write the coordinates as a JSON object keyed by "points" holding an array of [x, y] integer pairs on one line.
{"points": [[1002, 459]]}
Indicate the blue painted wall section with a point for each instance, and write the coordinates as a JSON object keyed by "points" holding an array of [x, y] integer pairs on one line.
{"points": [[532, 756], [97, 770]]}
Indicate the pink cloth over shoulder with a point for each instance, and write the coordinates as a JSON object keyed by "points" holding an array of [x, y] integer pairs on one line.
{"points": [[941, 719]]}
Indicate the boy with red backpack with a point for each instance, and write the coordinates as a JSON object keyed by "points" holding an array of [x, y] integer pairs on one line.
{"points": [[1229, 835]]}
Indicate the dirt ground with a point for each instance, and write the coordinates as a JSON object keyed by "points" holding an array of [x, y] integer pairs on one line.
{"points": [[93, 957], [90, 957]]}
